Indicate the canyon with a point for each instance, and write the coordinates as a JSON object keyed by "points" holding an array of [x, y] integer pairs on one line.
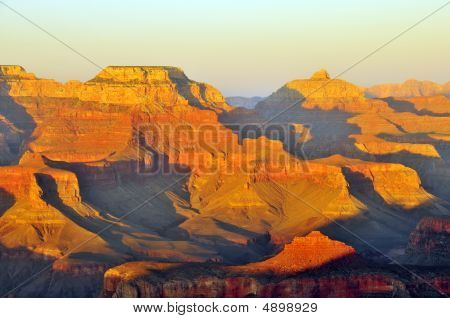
{"points": [[297, 271], [143, 182]]}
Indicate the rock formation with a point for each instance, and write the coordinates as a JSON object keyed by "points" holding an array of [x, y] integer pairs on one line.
{"points": [[422, 105], [319, 91], [429, 242], [303, 253], [275, 277], [147, 158]]}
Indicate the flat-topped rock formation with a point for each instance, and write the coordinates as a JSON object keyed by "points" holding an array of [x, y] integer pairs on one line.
{"points": [[321, 86], [394, 183], [150, 86], [320, 92]]}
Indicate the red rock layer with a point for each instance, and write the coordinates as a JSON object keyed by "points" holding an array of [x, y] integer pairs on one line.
{"points": [[146, 279], [429, 243], [362, 285]]}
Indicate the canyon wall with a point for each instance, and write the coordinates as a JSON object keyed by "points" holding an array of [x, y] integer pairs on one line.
{"points": [[429, 242], [76, 193], [279, 276]]}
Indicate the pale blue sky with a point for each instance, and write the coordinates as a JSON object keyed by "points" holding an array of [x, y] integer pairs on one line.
{"points": [[241, 47]]}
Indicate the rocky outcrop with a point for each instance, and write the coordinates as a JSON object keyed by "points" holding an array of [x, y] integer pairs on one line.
{"points": [[320, 86], [303, 253], [429, 242], [320, 92], [394, 183]]}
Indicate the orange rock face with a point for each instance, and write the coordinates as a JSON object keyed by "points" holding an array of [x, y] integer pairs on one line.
{"points": [[320, 92], [310, 251], [31, 219], [395, 183]]}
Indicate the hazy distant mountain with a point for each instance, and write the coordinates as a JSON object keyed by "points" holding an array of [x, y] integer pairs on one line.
{"points": [[409, 88], [247, 102]]}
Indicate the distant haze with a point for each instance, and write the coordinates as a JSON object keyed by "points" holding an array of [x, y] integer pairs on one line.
{"points": [[246, 102], [246, 48]]}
